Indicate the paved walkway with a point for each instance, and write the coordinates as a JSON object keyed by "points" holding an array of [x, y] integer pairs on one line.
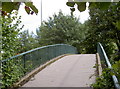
{"points": [[69, 71]]}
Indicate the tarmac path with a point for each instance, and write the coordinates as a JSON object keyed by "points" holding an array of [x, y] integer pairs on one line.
{"points": [[69, 71]]}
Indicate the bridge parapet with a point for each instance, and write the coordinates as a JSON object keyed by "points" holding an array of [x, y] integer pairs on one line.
{"points": [[104, 58], [25, 62]]}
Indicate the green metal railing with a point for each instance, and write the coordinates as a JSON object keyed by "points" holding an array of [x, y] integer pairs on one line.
{"points": [[104, 57], [27, 61]]}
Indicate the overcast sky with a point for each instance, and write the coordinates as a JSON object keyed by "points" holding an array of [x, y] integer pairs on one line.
{"points": [[49, 7]]}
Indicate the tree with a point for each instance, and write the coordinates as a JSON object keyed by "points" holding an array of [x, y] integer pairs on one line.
{"points": [[61, 29], [102, 6], [27, 41], [102, 27]]}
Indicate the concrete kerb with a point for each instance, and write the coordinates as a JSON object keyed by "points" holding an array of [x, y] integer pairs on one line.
{"points": [[34, 72], [99, 67]]}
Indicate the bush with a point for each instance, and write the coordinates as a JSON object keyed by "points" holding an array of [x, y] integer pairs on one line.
{"points": [[104, 81]]}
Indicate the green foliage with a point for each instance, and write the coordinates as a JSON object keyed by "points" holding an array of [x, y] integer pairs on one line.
{"points": [[116, 69], [27, 41], [71, 4], [31, 7], [100, 5], [104, 81], [115, 56], [102, 29], [8, 7], [61, 29], [11, 73], [81, 6], [10, 32], [117, 24], [10, 46]]}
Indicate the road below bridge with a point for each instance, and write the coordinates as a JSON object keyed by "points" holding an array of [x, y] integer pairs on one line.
{"points": [[69, 71]]}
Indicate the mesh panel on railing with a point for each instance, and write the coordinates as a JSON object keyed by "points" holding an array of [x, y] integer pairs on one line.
{"points": [[25, 62]]}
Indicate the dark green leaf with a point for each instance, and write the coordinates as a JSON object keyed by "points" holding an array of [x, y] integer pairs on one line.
{"points": [[118, 24], [34, 9], [8, 6], [16, 5], [72, 9], [27, 9], [81, 6], [71, 4], [30, 4], [103, 5]]}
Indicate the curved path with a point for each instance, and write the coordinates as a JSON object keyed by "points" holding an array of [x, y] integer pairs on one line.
{"points": [[69, 71]]}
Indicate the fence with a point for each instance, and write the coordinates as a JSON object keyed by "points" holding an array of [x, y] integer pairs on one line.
{"points": [[104, 57], [23, 63]]}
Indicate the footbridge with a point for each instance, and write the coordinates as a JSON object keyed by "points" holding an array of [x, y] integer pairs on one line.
{"points": [[56, 65]]}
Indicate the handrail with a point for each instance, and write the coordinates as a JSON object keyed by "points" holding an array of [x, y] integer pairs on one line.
{"points": [[27, 52], [103, 56], [74, 50], [25, 62]]}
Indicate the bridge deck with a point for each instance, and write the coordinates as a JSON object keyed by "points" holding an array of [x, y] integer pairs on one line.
{"points": [[69, 71]]}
